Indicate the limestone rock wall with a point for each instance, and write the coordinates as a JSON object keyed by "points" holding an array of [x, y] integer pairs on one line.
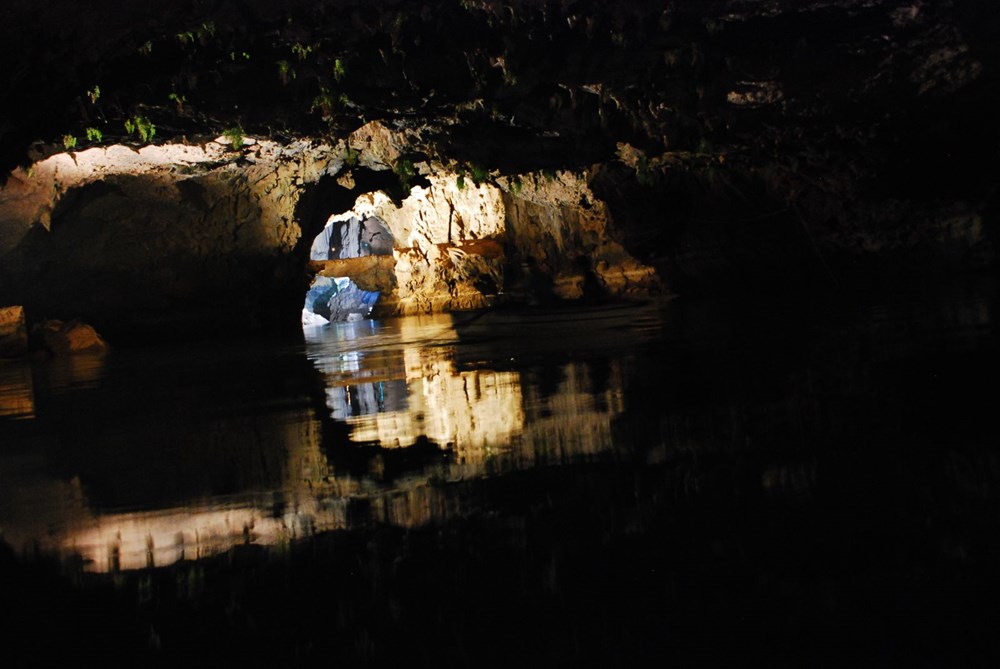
{"points": [[211, 236], [448, 244], [459, 245], [559, 229], [768, 143], [165, 233]]}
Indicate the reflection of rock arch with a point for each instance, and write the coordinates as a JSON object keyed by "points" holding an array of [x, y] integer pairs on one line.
{"points": [[344, 291]]}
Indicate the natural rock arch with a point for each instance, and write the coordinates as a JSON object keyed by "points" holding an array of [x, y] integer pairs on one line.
{"points": [[353, 256]]}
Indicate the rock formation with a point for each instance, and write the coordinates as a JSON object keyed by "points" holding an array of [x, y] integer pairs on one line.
{"points": [[179, 231], [61, 338], [171, 163]]}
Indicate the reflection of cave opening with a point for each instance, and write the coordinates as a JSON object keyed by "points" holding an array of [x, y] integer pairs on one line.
{"points": [[335, 293]]}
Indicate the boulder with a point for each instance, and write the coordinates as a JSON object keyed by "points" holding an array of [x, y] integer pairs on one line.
{"points": [[13, 332], [380, 146], [71, 337], [350, 303]]}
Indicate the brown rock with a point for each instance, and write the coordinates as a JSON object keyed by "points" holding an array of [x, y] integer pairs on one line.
{"points": [[13, 332], [488, 248], [380, 147], [368, 272], [71, 337]]}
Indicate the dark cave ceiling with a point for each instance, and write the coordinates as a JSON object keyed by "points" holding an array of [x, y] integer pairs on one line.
{"points": [[899, 93]]}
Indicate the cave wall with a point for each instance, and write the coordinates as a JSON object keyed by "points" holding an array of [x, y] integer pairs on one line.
{"points": [[755, 145], [439, 266], [460, 245], [210, 237], [172, 234], [207, 236], [556, 225]]}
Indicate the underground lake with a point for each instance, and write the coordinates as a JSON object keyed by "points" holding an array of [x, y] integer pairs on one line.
{"points": [[762, 482]]}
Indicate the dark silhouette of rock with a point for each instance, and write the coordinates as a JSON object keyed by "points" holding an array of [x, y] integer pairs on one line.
{"points": [[68, 338]]}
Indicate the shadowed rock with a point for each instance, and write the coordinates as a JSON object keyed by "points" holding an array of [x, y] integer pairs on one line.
{"points": [[71, 337]]}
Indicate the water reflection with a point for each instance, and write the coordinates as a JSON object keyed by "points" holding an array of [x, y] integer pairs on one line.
{"points": [[17, 385], [410, 409], [131, 462], [17, 395], [392, 395], [790, 477], [487, 419]]}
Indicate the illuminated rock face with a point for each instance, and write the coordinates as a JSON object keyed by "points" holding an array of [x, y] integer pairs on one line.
{"points": [[733, 140], [209, 235], [459, 245], [438, 265], [562, 230]]}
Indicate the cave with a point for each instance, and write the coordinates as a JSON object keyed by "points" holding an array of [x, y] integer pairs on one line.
{"points": [[500, 333], [340, 298], [344, 236]]}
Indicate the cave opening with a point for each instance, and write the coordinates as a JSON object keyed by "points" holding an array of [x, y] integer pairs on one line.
{"points": [[349, 253]]}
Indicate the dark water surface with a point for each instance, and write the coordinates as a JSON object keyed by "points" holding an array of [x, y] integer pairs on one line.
{"points": [[814, 484]]}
